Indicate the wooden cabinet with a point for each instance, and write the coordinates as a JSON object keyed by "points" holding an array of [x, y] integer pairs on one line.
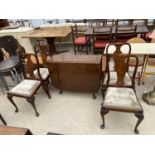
{"points": [[75, 72]]}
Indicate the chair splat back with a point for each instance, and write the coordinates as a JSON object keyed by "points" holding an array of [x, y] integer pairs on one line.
{"points": [[120, 57]]}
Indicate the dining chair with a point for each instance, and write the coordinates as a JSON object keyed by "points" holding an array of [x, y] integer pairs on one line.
{"points": [[29, 86], [141, 59], [23, 23], [139, 22], [123, 22], [101, 37], [79, 39], [11, 49], [124, 33], [109, 22], [129, 82], [3, 120], [120, 98]]}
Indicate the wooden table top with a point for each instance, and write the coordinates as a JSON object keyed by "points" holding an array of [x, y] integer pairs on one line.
{"points": [[140, 29], [47, 33], [7, 130], [71, 58]]}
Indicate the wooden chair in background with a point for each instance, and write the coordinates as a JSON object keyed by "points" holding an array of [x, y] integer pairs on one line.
{"points": [[79, 39], [101, 37], [124, 33]]}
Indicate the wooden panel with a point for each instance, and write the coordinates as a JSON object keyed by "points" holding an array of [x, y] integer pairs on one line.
{"points": [[6, 130], [75, 74]]}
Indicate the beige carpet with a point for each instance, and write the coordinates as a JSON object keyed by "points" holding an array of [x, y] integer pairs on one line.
{"points": [[75, 113]]}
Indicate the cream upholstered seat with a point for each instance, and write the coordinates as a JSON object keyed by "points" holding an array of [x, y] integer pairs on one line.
{"points": [[121, 98], [43, 72], [113, 79], [25, 88]]}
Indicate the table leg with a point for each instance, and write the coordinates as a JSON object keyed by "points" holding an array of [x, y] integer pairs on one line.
{"points": [[52, 47]]}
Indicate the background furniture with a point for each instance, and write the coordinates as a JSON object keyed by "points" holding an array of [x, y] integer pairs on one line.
{"points": [[141, 59], [7, 130], [101, 37], [79, 39], [17, 33], [48, 34], [75, 72], [124, 33], [10, 64]]}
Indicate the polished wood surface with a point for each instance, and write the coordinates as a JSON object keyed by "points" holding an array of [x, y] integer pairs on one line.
{"points": [[48, 33], [7, 130], [75, 72]]}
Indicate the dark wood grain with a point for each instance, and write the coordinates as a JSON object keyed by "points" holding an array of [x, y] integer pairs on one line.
{"points": [[75, 72]]}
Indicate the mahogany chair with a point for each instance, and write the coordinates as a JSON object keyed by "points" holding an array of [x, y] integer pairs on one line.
{"points": [[79, 39], [119, 98], [129, 82], [101, 37], [124, 33], [141, 59], [29, 86], [3, 120]]}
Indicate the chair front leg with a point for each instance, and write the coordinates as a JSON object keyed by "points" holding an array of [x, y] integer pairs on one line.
{"points": [[10, 97], [45, 88], [4, 122], [103, 112], [31, 100], [140, 117]]}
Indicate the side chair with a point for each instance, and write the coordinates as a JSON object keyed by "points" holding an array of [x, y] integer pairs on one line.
{"points": [[79, 39], [29, 86], [124, 33], [101, 37], [119, 98]]}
